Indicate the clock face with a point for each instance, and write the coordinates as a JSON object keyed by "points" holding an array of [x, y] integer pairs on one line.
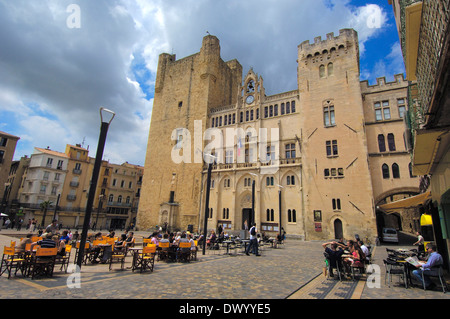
{"points": [[249, 99]]}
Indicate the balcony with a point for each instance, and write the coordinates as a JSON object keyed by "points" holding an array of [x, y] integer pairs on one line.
{"points": [[71, 197], [77, 171], [285, 162], [74, 184]]}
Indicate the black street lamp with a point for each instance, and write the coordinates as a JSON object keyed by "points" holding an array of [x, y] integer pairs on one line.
{"points": [[99, 208], [208, 186], [253, 219], [109, 115], [279, 207], [56, 207]]}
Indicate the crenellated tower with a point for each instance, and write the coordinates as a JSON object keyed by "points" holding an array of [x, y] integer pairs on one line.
{"points": [[337, 180], [185, 91]]}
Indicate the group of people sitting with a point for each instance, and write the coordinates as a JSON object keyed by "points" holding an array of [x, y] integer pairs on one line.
{"points": [[352, 253], [173, 238], [121, 244], [47, 240]]}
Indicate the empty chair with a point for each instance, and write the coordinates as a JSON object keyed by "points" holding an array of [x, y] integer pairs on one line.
{"points": [[11, 262], [146, 260], [394, 268]]}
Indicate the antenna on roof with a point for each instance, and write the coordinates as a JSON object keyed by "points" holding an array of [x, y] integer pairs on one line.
{"points": [[82, 143]]}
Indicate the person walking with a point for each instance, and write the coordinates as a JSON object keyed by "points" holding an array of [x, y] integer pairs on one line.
{"points": [[253, 241], [420, 242]]}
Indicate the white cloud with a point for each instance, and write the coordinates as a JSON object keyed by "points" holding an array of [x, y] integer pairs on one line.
{"points": [[386, 67], [67, 74]]}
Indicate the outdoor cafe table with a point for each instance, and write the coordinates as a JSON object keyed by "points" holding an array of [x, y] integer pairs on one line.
{"points": [[134, 252], [246, 242], [228, 242]]}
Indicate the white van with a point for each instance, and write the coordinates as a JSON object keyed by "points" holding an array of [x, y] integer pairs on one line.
{"points": [[390, 235]]}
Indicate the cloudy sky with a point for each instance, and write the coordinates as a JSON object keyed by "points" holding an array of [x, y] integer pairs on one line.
{"points": [[56, 70]]}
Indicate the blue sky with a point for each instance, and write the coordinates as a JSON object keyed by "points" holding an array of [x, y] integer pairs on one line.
{"points": [[55, 78]]}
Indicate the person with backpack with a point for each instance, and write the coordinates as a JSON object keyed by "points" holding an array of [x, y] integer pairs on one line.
{"points": [[253, 241]]}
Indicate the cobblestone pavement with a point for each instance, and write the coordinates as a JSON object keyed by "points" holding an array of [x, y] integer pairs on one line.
{"points": [[291, 272]]}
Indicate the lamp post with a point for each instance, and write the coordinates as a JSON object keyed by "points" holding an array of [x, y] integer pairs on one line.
{"points": [[56, 206], [99, 208], [279, 207], [208, 186], [109, 115], [253, 199]]}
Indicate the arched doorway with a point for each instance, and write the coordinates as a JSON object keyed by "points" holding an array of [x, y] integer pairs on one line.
{"points": [[338, 231]]}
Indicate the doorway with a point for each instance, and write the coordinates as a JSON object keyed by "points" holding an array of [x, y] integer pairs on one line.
{"points": [[247, 216], [338, 232]]}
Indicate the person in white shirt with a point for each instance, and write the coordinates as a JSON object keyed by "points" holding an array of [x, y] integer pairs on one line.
{"points": [[253, 241], [365, 250]]}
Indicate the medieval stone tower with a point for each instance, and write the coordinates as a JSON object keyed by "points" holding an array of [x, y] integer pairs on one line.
{"points": [[337, 185], [185, 91]]}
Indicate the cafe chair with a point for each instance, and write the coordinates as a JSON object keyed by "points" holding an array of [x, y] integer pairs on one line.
{"points": [[146, 241], [360, 269], [64, 260], [339, 268], [163, 252], [194, 251], [42, 262], [394, 268], [85, 255], [10, 262], [438, 272], [145, 260], [118, 255], [184, 252]]}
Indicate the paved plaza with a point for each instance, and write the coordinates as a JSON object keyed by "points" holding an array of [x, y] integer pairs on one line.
{"points": [[291, 272]]}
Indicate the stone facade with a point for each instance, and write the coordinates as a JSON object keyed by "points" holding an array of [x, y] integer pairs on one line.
{"points": [[302, 158]]}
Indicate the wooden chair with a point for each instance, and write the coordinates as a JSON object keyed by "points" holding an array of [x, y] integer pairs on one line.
{"points": [[64, 260], [184, 252], [194, 251], [146, 259], [42, 262], [146, 241], [118, 255], [36, 239], [131, 243], [163, 253], [10, 261], [86, 252]]}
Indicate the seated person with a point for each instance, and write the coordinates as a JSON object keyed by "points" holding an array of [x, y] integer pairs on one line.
{"points": [[61, 245], [212, 239], [356, 258], [46, 242], [96, 249], [365, 250], [120, 243], [334, 254], [23, 243], [65, 236], [429, 268], [130, 240]]}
